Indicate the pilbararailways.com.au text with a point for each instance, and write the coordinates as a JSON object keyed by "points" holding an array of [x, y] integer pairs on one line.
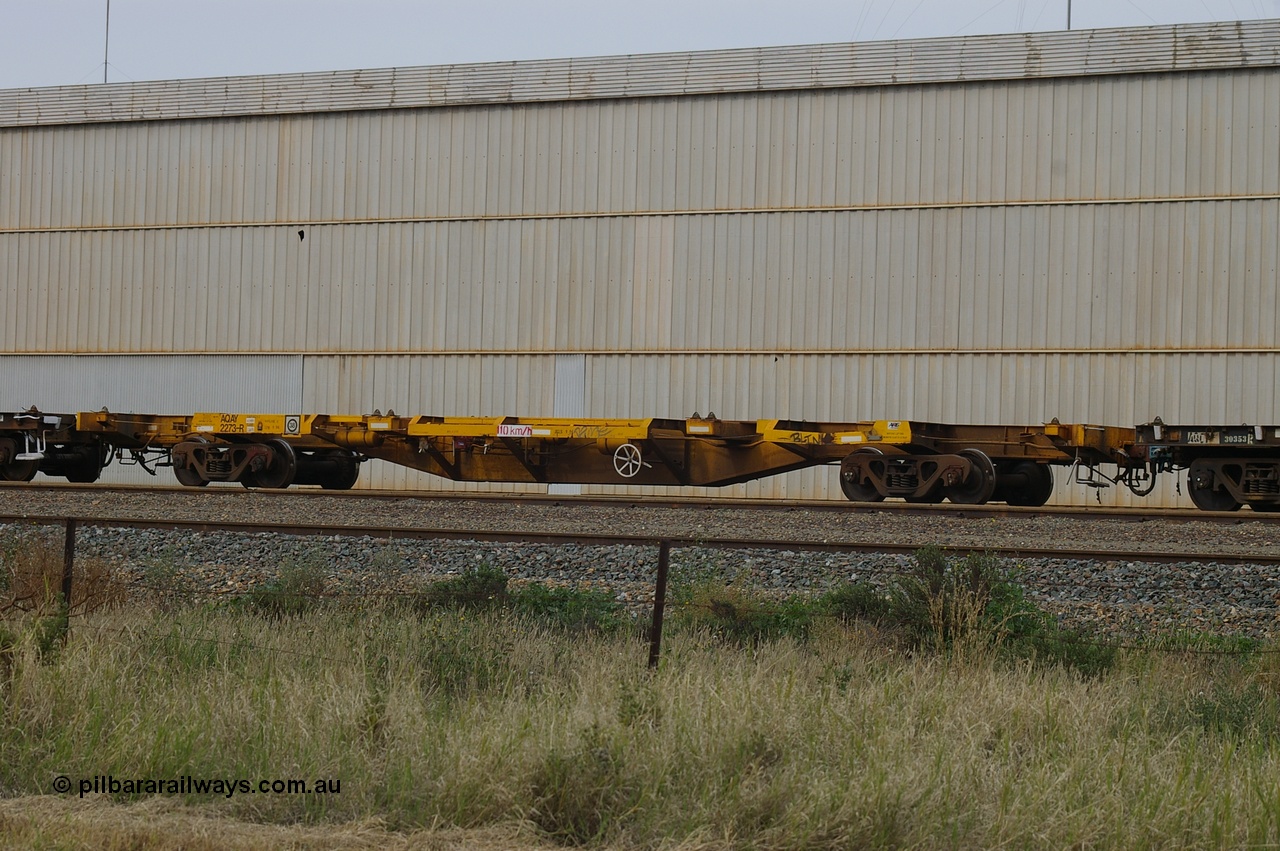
{"points": [[188, 785]]}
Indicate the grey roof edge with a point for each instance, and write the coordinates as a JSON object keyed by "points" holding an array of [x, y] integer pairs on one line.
{"points": [[1129, 50]]}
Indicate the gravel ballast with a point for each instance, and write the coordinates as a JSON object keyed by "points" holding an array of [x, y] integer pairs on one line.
{"points": [[1120, 597]]}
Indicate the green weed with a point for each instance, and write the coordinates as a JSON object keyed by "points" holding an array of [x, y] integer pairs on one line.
{"points": [[581, 793], [166, 581], [856, 601], [1237, 710], [299, 586], [485, 588], [480, 587], [568, 608], [741, 616]]}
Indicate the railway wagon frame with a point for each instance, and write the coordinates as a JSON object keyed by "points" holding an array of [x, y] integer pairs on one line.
{"points": [[1226, 467]]}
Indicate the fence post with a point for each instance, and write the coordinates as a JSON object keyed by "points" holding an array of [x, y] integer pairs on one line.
{"points": [[68, 571], [659, 603]]}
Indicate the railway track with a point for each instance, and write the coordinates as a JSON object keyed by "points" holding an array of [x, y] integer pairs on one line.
{"points": [[1206, 577], [14, 490], [391, 533]]}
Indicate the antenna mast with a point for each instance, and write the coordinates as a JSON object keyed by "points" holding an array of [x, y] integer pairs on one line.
{"points": [[106, 45]]}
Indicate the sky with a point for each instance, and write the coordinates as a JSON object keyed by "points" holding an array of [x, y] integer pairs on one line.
{"points": [[68, 42]]}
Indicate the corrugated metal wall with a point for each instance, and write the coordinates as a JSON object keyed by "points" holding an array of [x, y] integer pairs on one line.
{"points": [[1098, 248], [1182, 47], [1153, 275], [151, 384], [1206, 134], [571, 400]]}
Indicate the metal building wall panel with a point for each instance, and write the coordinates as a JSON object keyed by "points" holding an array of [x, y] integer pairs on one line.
{"points": [[151, 384], [570, 401], [989, 57], [1076, 277], [622, 157], [570, 386]]}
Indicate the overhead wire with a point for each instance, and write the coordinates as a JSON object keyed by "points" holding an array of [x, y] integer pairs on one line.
{"points": [[1141, 11], [861, 20], [997, 5], [907, 19], [888, 8]]}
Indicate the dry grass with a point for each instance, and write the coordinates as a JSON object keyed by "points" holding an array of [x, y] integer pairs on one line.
{"points": [[462, 728], [481, 730], [159, 824], [31, 573]]}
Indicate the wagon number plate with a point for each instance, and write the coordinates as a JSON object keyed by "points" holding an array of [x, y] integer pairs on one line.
{"points": [[1207, 438]]}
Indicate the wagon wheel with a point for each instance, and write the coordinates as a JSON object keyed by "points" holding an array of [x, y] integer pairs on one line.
{"points": [[1207, 498], [344, 478], [1038, 485], [19, 471], [279, 473], [87, 465], [859, 491], [980, 484], [189, 477]]}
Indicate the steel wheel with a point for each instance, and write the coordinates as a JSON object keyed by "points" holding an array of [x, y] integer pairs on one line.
{"points": [[859, 491], [279, 473], [189, 477], [19, 471], [1037, 485], [345, 478], [980, 484], [86, 467], [1208, 498], [933, 497]]}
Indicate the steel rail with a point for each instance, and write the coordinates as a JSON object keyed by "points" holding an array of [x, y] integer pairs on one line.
{"points": [[1123, 514], [603, 540]]}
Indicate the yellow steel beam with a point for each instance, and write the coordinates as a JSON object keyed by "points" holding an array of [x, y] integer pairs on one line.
{"points": [[691, 451]]}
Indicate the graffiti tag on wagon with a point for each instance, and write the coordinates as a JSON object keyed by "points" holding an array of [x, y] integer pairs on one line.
{"points": [[592, 431], [811, 437]]}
